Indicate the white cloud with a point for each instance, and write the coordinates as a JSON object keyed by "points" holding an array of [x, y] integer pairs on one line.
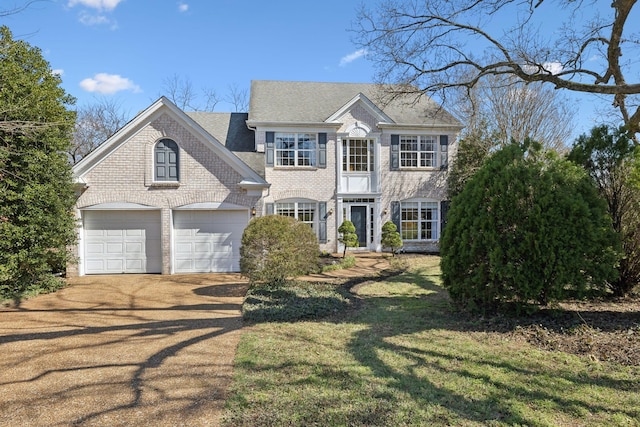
{"points": [[89, 19], [553, 67], [183, 7], [100, 5], [347, 59], [57, 72], [108, 84], [550, 67]]}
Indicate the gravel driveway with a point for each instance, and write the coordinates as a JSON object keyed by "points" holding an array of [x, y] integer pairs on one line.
{"points": [[134, 350]]}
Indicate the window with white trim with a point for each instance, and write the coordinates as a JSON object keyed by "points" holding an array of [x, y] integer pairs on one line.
{"points": [[357, 155], [419, 220], [418, 151], [296, 149], [302, 211]]}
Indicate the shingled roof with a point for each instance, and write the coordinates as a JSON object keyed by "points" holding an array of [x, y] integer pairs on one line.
{"points": [[231, 130], [312, 102]]}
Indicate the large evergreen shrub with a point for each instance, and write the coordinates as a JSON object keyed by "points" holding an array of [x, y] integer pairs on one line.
{"points": [[275, 248], [36, 189], [528, 228]]}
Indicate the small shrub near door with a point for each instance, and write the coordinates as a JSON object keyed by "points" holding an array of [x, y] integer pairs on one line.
{"points": [[390, 237], [348, 236], [275, 248]]}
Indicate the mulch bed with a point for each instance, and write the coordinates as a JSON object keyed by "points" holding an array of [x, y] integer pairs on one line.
{"points": [[601, 330]]}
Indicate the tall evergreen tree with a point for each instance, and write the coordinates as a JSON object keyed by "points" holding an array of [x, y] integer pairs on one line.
{"points": [[528, 227], [36, 190]]}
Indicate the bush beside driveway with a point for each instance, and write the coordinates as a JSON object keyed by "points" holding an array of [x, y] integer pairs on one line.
{"points": [[121, 350]]}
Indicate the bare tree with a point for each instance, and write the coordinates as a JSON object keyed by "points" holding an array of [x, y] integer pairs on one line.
{"points": [[239, 98], [509, 109], [95, 124], [180, 91], [12, 10], [435, 46]]}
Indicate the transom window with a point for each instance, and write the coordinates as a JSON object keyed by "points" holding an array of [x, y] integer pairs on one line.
{"points": [[357, 155], [295, 149], [419, 220], [303, 212], [165, 159], [418, 151]]}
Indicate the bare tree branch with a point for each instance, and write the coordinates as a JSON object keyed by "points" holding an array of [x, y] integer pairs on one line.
{"points": [[438, 46]]}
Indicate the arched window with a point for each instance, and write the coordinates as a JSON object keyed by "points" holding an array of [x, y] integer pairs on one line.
{"points": [[166, 161]]}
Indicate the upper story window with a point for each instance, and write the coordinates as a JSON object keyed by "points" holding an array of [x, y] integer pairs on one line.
{"points": [[165, 161], [419, 151], [357, 155], [295, 149]]}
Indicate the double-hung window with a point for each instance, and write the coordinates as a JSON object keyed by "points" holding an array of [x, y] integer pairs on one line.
{"points": [[419, 220], [303, 212], [295, 149], [418, 151]]}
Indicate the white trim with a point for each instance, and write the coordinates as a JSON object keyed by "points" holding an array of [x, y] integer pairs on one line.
{"points": [[368, 105], [163, 105], [211, 206], [119, 206]]}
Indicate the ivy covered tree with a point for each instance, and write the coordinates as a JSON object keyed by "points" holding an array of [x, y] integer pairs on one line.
{"points": [[348, 236], [36, 191], [390, 237], [528, 228], [613, 162]]}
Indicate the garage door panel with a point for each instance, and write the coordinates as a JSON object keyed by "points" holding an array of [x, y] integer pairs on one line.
{"points": [[208, 241], [122, 242]]}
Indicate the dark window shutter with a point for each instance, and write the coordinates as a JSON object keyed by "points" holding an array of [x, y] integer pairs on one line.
{"points": [[322, 223], [395, 152], [269, 208], [395, 214], [322, 150], [444, 155], [269, 149], [444, 210], [166, 166]]}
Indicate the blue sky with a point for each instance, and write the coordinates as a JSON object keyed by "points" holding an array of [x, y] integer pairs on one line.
{"points": [[126, 50]]}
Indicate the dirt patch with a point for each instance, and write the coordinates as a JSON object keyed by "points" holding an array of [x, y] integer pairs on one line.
{"points": [[601, 330]]}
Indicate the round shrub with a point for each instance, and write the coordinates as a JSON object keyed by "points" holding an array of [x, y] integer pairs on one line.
{"points": [[275, 248], [528, 228]]}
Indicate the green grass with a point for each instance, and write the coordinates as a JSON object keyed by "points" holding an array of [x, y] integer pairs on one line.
{"points": [[406, 358]]}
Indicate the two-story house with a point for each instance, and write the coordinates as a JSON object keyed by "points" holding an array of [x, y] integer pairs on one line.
{"points": [[171, 192]]}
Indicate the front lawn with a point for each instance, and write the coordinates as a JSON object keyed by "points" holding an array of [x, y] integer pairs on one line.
{"points": [[400, 355]]}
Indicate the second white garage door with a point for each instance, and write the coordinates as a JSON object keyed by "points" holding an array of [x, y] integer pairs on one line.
{"points": [[207, 241]]}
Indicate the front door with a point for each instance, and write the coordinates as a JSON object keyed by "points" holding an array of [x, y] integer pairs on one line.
{"points": [[359, 220]]}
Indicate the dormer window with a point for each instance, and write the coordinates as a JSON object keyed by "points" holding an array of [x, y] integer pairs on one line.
{"points": [[166, 156]]}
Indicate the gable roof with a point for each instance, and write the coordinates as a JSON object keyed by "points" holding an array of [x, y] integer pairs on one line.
{"points": [[313, 102], [143, 119]]}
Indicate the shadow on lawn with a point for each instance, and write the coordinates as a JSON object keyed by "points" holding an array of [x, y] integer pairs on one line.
{"points": [[421, 367]]}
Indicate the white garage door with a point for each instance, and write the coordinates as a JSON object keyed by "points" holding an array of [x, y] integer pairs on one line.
{"points": [[122, 242], [207, 241]]}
